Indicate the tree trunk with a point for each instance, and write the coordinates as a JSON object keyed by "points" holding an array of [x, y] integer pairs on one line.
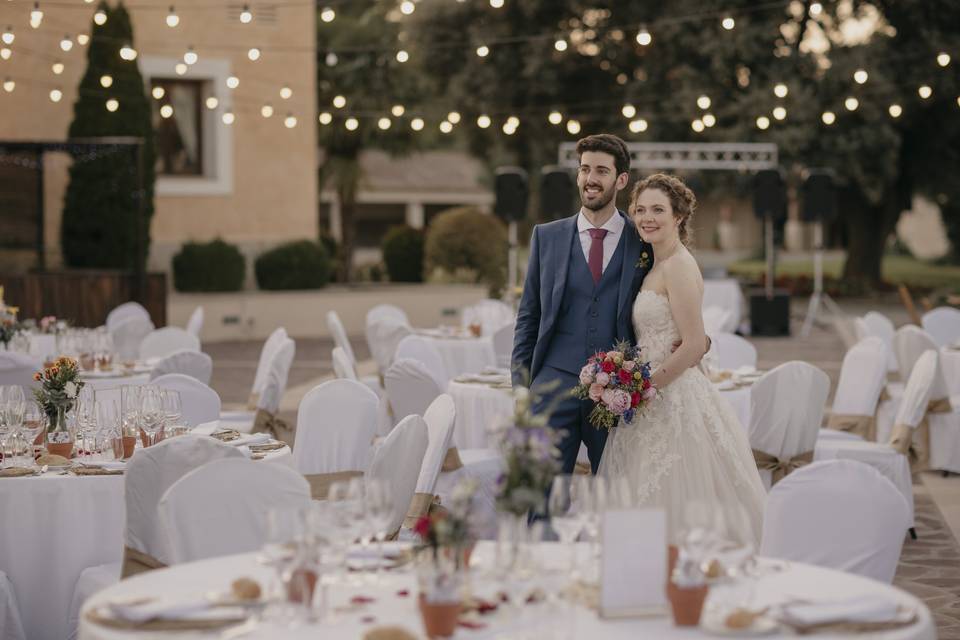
{"points": [[348, 207], [868, 227]]}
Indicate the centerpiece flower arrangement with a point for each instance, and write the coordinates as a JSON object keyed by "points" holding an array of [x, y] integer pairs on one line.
{"points": [[60, 385], [8, 321], [618, 382]]}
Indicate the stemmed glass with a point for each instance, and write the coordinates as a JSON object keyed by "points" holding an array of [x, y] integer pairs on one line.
{"points": [[151, 413], [12, 406], [346, 502], [379, 506], [32, 425], [285, 532], [565, 513], [172, 410]]}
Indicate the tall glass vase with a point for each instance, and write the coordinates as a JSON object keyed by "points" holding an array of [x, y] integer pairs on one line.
{"points": [[59, 436]]}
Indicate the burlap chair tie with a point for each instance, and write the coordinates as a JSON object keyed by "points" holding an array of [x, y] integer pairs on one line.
{"points": [[780, 468], [863, 426], [266, 422], [135, 562], [452, 462], [940, 405], [420, 505], [320, 483]]}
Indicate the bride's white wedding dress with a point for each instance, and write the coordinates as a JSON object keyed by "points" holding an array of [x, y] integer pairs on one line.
{"points": [[687, 445]]}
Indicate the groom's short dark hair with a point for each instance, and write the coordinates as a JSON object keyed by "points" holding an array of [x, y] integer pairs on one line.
{"points": [[607, 143]]}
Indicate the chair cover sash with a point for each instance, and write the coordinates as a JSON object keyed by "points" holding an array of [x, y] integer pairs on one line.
{"points": [[780, 468], [135, 562], [420, 505], [452, 460], [940, 405], [320, 483], [863, 426], [266, 422], [916, 449]]}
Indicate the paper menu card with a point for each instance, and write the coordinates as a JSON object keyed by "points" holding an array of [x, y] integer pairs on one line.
{"points": [[633, 571]]}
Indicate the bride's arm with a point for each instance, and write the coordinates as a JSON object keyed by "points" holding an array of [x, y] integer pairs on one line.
{"points": [[683, 290]]}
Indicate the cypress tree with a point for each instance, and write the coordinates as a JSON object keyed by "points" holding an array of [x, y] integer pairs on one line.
{"points": [[99, 227]]}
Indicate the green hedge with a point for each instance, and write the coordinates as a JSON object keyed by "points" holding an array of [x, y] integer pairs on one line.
{"points": [[301, 264], [402, 249], [465, 238], [208, 266]]}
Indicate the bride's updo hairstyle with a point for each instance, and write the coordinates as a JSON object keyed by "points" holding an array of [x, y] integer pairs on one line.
{"points": [[682, 200]]}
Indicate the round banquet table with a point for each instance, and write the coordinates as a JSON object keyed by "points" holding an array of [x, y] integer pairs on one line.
{"points": [[479, 407], [54, 527], [463, 354], [395, 603], [950, 365]]}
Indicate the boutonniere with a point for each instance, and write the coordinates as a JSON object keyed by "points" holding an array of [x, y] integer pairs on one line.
{"points": [[644, 261]]}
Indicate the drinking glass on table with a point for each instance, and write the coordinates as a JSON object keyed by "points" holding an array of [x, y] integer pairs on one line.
{"points": [[110, 427], [151, 413], [32, 427], [173, 411], [564, 506], [285, 533]]}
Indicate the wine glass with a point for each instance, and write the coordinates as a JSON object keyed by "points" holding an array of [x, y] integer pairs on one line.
{"points": [[109, 427], [172, 408], [152, 415], [284, 534], [564, 515], [31, 426]]}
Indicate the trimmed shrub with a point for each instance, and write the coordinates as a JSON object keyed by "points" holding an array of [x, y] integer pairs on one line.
{"points": [[402, 249], [208, 266], [302, 264], [465, 238]]}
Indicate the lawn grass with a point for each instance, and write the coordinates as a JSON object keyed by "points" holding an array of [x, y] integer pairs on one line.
{"points": [[896, 270]]}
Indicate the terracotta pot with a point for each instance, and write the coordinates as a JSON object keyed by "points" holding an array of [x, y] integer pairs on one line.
{"points": [[302, 584], [64, 449], [439, 620], [673, 551], [686, 603], [129, 444]]}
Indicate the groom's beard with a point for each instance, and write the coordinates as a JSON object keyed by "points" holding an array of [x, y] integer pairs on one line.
{"points": [[602, 201]]}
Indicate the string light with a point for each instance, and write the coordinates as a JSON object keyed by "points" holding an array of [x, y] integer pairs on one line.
{"points": [[8, 36], [325, 118], [397, 110], [703, 102], [228, 117], [266, 111], [828, 117], [697, 125], [190, 57], [709, 119], [212, 103], [328, 14], [100, 17], [128, 53], [483, 51], [943, 58], [925, 91], [246, 17], [290, 121], [728, 23], [106, 81], [172, 18], [402, 56], [483, 121], [407, 7], [496, 4], [416, 124], [860, 76], [453, 117], [638, 126], [158, 93], [57, 67], [9, 85], [560, 45], [83, 39], [66, 44], [643, 37], [555, 117], [5, 53], [166, 111], [895, 110], [507, 129], [36, 17], [112, 105], [628, 111], [513, 122], [816, 9], [779, 113], [339, 102], [851, 103], [286, 92], [573, 127], [253, 54], [233, 82], [351, 124], [180, 68], [781, 90], [384, 123], [332, 59], [56, 95], [446, 127], [763, 122]]}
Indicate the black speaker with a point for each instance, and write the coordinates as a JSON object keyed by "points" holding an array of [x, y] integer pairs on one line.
{"points": [[769, 316], [819, 196], [769, 195], [510, 187], [557, 191]]}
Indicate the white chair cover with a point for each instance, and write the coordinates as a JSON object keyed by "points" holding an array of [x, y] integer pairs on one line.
{"points": [[384, 335], [150, 473], [489, 314], [342, 366], [421, 349], [195, 323], [339, 335], [382, 311], [272, 387], [199, 402], [195, 364], [335, 426], [879, 325], [839, 514], [730, 351], [127, 334], [439, 418], [163, 342], [715, 319], [945, 440], [943, 325], [910, 342], [786, 410], [125, 311], [11, 627], [862, 376], [270, 346], [724, 293], [410, 387], [503, 344], [221, 508], [917, 394], [397, 464], [18, 368]]}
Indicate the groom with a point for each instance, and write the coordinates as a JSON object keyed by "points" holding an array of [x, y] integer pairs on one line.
{"points": [[583, 275]]}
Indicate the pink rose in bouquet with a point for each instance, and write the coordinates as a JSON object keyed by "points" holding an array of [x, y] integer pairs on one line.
{"points": [[617, 382]]}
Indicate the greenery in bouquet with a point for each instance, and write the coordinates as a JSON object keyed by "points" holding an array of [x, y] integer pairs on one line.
{"points": [[529, 447], [60, 384], [617, 382]]}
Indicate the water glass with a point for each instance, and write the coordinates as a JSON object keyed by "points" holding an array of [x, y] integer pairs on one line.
{"points": [[151, 413], [172, 408]]}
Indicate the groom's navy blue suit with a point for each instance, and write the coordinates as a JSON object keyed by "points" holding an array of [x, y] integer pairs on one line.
{"points": [[565, 317]]}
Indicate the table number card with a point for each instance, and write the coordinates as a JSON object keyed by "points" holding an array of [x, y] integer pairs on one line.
{"points": [[633, 569]]}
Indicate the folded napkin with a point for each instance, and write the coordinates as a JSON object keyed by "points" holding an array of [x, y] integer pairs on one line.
{"points": [[171, 609], [870, 608], [247, 439]]}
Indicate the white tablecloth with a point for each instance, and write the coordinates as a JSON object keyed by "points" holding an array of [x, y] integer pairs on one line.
{"points": [[739, 400], [479, 407], [464, 355], [725, 293], [950, 364], [393, 607]]}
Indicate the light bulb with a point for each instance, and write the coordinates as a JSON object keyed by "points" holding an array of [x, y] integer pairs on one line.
{"points": [[573, 127], [781, 90], [8, 36], [286, 92], [246, 17], [5, 53], [483, 51], [325, 118], [328, 14], [728, 23], [158, 93], [57, 67], [253, 54], [643, 37], [943, 59], [703, 102], [106, 81], [233, 82], [212, 102], [351, 124], [384, 123], [166, 111], [190, 57], [407, 7], [763, 122], [628, 111], [496, 4], [416, 124], [339, 102], [816, 8], [507, 129], [560, 45], [895, 110], [266, 111], [555, 117], [453, 117], [83, 39], [513, 122], [56, 95], [112, 105], [172, 18], [397, 110], [290, 121], [828, 117], [9, 85], [402, 56], [697, 125], [128, 53], [100, 17], [180, 68], [779, 113], [483, 121], [66, 44], [638, 126], [228, 117], [36, 17], [331, 59], [925, 91], [446, 127], [860, 76], [709, 119], [851, 103]]}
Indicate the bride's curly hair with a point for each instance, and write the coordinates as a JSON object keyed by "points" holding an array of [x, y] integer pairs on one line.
{"points": [[681, 198]]}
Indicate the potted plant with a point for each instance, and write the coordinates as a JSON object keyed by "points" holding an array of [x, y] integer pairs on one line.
{"points": [[687, 590], [60, 384]]}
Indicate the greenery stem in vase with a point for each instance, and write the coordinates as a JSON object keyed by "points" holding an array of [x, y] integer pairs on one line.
{"points": [[60, 385]]}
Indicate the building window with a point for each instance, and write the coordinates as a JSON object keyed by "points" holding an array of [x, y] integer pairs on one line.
{"points": [[178, 122]]}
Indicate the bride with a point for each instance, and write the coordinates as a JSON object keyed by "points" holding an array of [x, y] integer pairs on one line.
{"points": [[687, 447]]}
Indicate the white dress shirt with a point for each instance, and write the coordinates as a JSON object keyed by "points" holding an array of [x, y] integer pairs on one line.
{"points": [[614, 227]]}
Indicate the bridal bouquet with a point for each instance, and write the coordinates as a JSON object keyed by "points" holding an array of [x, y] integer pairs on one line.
{"points": [[618, 382]]}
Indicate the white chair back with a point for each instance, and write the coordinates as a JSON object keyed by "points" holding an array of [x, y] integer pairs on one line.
{"points": [[439, 418], [397, 464], [18, 368], [221, 508], [911, 342], [195, 323], [732, 352], [862, 377], [943, 325], [410, 387], [125, 311], [339, 335], [336, 422], [342, 366], [503, 344], [839, 514], [786, 411], [199, 402], [879, 325], [277, 376], [150, 473], [270, 346], [715, 319], [163, 342], [382, 311], [489, 314], [384, 335], [127, 335], [195, 364], [422, 349], [918, 391]]}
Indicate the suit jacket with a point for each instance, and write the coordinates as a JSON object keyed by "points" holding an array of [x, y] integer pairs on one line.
{"points": [[546, 281]]}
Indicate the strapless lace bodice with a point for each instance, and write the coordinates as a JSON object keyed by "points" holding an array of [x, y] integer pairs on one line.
{"points": [[654, 327]]}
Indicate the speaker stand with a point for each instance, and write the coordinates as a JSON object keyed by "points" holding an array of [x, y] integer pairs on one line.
{"points": [[819, 298]]}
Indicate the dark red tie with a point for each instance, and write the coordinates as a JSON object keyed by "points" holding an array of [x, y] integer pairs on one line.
{"points": [[595, 261]]}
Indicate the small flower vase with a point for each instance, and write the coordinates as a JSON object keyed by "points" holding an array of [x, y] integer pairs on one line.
{"points": [[686, 603], [441, 579], [59, 437]]}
